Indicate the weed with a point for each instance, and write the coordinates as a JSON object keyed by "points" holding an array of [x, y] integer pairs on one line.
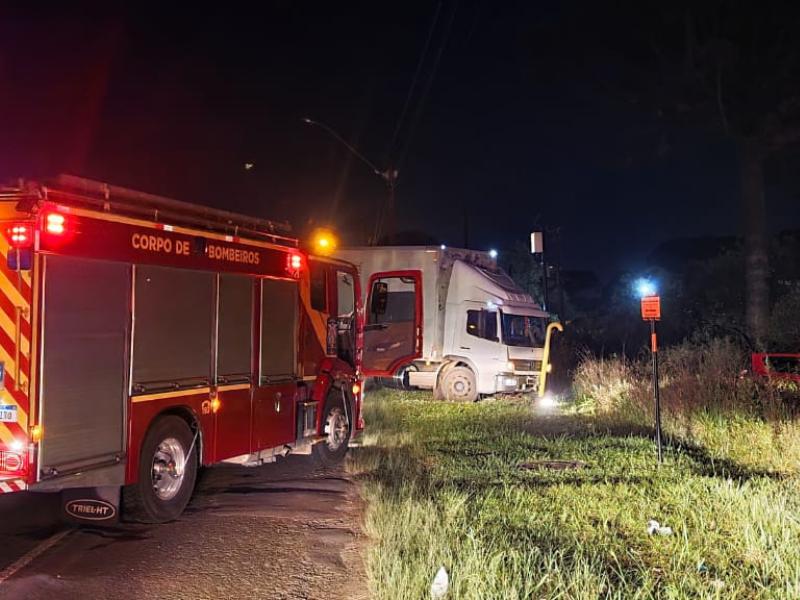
{"points": [[446, 485]]}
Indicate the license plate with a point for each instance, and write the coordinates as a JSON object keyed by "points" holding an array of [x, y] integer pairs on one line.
{"points": [[8, 413]]}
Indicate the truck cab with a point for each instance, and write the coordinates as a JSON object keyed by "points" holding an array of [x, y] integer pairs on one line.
{"points": [[495, 328], [449, 320]]}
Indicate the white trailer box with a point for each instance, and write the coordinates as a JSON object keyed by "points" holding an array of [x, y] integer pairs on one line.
{"points": [[447, 319]]}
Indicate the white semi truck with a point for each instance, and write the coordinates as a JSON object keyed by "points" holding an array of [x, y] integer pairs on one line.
{"points": [[449, 320]]}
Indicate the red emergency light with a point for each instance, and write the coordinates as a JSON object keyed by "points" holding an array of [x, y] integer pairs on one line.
{"points": [[55, 223], [294, 263], [20, 235]]}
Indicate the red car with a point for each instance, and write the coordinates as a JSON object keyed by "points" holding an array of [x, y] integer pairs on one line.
{"points": [[777, 365]]}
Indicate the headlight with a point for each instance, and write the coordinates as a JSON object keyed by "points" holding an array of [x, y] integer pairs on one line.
{"points": [[510, 365]]}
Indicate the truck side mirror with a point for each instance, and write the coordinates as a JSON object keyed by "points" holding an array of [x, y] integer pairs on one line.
{"points": [[379, 298]]}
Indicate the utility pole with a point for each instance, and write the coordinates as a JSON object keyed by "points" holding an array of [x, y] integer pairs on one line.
{"points": [[562, 317], [537, 247], [387, 215], [466, 226]]}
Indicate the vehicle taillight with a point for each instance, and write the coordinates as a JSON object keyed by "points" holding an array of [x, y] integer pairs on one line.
{"points": [[20, 235], [55, 223], [12, 462]]}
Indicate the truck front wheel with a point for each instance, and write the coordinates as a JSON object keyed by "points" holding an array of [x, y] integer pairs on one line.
{"points": [[337, 427], [167, 473], [458, 385]]}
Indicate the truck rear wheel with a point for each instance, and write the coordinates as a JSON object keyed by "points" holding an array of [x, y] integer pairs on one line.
{"points": [[458, 385], [337, 428], [167, 473]]}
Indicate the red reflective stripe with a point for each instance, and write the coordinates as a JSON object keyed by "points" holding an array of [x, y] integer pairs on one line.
{"points": [[8, 345], [17, 431], [8, 307], [653, 342], [18, 395], [12, 485]]}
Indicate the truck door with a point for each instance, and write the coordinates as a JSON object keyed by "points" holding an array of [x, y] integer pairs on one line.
{"points": [[85, 317], [393, 329], [478, 335], [346, 316]]}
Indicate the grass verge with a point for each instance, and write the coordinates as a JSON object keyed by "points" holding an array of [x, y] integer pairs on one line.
{"points": [[446, 486]]}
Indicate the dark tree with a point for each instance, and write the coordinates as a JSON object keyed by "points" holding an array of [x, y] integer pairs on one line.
{"points": [[731, 67]]}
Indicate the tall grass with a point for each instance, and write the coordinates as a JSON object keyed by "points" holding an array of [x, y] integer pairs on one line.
{"points": [[707, 400], [446, 486]]}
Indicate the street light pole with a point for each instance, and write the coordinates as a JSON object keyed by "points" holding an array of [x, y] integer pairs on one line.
{"points": [[389, 176]]}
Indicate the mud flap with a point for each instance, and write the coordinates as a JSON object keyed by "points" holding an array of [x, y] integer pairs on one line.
{"points": [[95, 506]]}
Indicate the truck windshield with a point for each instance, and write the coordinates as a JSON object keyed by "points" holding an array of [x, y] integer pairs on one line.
{"points": [[522, 330]]}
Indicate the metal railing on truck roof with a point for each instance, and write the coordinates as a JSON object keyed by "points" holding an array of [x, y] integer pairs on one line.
{"points": [[72, 190]]}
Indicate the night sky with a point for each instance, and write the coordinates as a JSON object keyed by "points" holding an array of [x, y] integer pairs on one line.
{"points": [[508, 124]]}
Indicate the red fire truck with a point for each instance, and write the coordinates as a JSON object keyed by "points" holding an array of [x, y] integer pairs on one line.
{"points": [[142, 338]]}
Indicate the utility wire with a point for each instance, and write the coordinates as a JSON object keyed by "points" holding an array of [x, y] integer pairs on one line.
{"points": [[410, 95], [427, 88]]}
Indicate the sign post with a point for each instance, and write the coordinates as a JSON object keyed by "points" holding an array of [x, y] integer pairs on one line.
{"points": [[537, 247], [651, 311]]}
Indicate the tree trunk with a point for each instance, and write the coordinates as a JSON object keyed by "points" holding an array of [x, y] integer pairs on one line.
{"points": [[751, 158]]}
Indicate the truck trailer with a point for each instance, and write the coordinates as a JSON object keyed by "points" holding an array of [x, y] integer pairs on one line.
{"points": [[449, 320], [142, 338]]}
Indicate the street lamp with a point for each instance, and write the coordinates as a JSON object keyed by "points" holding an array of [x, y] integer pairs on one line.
{"points": [[389, 175], [647, 291], [493, 253], [323, 241], [645, 287]]}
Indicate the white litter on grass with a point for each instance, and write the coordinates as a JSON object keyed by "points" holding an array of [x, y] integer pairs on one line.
{"points": [[440, 584], [655, 528]]}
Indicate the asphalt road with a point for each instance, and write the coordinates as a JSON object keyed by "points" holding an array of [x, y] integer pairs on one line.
{"points": [[279, 531]]}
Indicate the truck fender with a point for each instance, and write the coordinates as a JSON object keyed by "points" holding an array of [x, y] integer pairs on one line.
{"points": [[451, 361]]}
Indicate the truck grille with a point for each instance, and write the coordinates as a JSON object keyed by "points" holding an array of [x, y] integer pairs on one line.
{"points": [[527, 365]]}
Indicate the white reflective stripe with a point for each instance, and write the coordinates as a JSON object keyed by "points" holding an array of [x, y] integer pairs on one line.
{"points": [[12, 485]]}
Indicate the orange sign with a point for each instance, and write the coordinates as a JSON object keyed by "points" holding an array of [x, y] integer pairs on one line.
{"points": [[651, 308]]}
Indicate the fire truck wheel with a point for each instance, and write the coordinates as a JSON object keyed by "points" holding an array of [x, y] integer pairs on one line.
{"points": [[167, 473], [459, 385], [337, 431]]}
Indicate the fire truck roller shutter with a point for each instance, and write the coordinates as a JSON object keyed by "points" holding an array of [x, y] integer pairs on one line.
{"points": [[173, 317], [278, 329], [235, 328], [86, 315]]}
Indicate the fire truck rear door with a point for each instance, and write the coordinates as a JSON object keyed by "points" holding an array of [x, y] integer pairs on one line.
{"points": [[84, 355]]}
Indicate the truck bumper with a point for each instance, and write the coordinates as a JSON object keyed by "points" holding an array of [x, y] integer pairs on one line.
{"points": [[510, 383]]}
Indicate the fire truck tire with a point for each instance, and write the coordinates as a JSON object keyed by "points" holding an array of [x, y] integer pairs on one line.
{"points": [[164, 488], [337, 428], [459, 385]]}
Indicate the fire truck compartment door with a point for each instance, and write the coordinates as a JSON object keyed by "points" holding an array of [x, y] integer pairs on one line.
{"points": [[85, 320]]}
